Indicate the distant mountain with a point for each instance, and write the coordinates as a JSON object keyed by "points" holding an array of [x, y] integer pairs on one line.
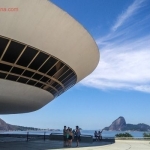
{"points": [[5, 126], [120, 125], [138, 127]]}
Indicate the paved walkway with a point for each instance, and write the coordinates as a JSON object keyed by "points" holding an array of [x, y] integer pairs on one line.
{"points": [[47, 145], [125, 145]]}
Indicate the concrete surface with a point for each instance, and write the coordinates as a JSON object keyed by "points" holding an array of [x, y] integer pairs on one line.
{"points": [[47, 145]]}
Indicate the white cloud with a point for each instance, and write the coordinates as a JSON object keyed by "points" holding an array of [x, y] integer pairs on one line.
{"points": [[121, 68], [125, 58], [127, 14]]}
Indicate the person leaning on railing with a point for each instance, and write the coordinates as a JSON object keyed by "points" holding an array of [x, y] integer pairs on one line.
{"points": [[100, 135], [96, 135]]}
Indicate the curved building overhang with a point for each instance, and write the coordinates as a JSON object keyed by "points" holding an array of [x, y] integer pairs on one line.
{"points": [[40, 27], [21, 98]]}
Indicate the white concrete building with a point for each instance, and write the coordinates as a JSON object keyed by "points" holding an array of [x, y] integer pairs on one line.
{"points": [[43, 52]]}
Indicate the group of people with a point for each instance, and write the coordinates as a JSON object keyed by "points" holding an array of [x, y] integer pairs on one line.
{"points": [[70, 135], [98, 135]]}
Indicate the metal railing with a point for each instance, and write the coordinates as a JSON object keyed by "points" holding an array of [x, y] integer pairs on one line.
{"points": [[25, 137]]}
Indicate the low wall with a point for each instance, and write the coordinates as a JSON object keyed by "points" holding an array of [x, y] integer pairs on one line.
{"points": [[111, 140], [132, 138], [57, 136], [84, 138], [105, 139]]}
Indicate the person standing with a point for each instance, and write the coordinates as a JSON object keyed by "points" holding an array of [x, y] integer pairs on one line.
{"points": [[65, 136], [100, 135], [96, 135], [77, 135], [70, 137], [73, 134]]}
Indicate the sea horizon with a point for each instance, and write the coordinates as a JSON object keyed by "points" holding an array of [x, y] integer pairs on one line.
{"points": [[111, 134]]}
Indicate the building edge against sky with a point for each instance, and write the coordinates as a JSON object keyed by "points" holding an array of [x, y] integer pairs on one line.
{"points": [[52, 53]]}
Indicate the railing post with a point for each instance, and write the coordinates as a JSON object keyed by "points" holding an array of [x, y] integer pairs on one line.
{"points": [[44, 136], [27, 136]]}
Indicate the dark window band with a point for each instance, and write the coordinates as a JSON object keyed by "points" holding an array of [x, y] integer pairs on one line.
{"points": [[25, 64]]}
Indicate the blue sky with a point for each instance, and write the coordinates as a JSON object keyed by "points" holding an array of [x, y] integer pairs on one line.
{"points": [[120, 85]]}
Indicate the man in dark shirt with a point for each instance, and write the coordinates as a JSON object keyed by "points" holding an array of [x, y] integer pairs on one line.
{"points": [[77, 135], [65, 136]]}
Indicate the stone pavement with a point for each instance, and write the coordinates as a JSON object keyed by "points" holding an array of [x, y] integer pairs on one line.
{"points": [[47, 145]]}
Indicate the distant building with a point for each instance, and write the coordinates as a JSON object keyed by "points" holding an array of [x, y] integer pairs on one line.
{"points": [[43, 53]]}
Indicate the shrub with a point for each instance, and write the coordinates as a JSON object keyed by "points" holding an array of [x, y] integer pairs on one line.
{"points": [[123, 135], [146, 134]]}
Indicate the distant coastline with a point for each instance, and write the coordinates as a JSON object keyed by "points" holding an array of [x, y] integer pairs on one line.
{"points": [[137, 134], [8, 127], [120, 125]]}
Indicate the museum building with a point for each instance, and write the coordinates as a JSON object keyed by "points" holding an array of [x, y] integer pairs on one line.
{"points": [[43, 53]]}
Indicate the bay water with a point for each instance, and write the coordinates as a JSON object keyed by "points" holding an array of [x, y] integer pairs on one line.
{"points": [[84, 132]]}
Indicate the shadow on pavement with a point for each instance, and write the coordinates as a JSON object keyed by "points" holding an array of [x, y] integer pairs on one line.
{"points": [[44, 145]]}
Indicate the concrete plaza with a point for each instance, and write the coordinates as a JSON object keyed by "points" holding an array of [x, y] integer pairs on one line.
{"points": [[48, 144]]}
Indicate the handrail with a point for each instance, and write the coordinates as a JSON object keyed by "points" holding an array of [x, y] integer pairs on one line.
{"points": [[62, 134], [27, 136]]}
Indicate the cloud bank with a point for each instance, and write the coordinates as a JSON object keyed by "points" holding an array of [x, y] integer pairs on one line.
{"points": [[125, 56]]}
